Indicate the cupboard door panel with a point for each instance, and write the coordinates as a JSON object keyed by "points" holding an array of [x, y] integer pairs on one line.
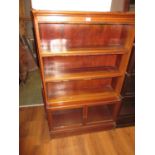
{"points": [[67, 118], [100, 113]]}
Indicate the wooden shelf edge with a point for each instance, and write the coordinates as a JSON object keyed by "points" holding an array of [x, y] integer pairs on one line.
{"points": [[70, 127], [82, 129], [94, 13], [79, 16], [88, 96], [79, 105], [91, 99], [85, 52], [67, 126], [84, 76]]}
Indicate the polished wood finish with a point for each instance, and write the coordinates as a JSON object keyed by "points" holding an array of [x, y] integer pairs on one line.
{"points": [[79, 36], [35, 139], [59, 66], [83, 59], [78, 87], [78, 17], [77, 52], [84, 74]]}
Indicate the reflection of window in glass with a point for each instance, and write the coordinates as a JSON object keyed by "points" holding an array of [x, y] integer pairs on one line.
{"points": [[54, 45], [57, 45], [44, 45]]}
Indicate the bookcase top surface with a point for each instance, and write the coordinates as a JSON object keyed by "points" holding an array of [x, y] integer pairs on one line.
{"points": [[84, 16]]}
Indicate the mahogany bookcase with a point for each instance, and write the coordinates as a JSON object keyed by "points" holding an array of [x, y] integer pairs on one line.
{"points": [[83, 58]]}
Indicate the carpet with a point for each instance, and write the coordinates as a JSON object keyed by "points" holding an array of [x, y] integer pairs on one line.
{"points": [[30, 92]]}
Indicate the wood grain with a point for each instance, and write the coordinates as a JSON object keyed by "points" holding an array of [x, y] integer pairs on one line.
{"points": [[69, 38], [35, 138], [77, 17], [86, 51], [84, 99]]}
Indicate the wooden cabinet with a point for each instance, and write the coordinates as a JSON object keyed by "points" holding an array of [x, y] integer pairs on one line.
{"points": [[127, 112], [83, 59]]}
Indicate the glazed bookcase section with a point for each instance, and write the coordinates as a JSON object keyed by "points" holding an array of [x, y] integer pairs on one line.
{"points": [[76, 67], [76, 118], [81, 92], [100, 113], [57, 39], [67, 118]]}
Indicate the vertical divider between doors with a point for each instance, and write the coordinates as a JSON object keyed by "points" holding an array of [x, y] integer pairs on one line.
{"points": [[116, 110], [85, 114]]}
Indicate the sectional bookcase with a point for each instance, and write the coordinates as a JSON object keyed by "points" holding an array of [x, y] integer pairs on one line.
{"points": [[83, 58]]}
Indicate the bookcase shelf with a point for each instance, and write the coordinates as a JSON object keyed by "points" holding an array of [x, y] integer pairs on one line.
{"points": [[86, 51], [83, 76], [82, 66], [83, 99]]}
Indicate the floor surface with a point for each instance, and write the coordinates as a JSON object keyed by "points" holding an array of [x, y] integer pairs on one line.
{"points": [[35, 139]]}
